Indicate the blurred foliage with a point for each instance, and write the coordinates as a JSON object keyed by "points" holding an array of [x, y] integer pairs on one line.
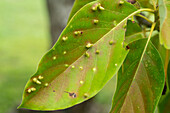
{"points": [[23, 40]]}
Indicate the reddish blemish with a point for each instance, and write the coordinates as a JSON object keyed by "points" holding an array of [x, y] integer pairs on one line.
{"points": [[127, 47]]}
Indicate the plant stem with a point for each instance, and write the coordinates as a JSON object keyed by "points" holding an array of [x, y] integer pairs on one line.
{"points": [[147, 9], [152, 29], [134, 13]]}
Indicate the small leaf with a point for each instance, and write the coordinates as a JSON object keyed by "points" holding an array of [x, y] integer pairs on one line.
{"points": [[140, 80], [164, 12], [76, 69]]}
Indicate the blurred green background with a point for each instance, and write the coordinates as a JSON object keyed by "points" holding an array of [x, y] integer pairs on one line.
{"points": [[24, 39]]}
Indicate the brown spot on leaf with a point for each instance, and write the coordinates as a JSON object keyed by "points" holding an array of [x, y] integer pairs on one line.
{"points": [[73, 95]]}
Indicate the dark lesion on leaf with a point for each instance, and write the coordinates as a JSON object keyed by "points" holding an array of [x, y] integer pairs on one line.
{"points": [[127, 47], [73, 95]]}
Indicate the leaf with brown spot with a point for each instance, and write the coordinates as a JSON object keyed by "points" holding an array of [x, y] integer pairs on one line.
{"points": [[83, 63]]}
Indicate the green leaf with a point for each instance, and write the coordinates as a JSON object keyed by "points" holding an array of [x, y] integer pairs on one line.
{"points": [[78, 4], [86, 56], [147, 3], [140, 80], [164, 13], [133, 32]]}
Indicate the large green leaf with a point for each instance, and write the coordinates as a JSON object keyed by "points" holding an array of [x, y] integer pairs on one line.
{"points": [[78, 4], [86, 56], [164, 13], [140, 80]]}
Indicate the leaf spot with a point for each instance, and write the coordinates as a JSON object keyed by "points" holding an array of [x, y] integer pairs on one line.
{"points": [[76, 33], [81, 82], [86, 95], [101, 8], [46, 84], [81, 67], [97, 51], [54, 57], [72, 66], [40, 77], [66, 65], [111, 42], [127, 47], [121, 2], [31, 89], [65, 52], [89, 45], [115, 64], [97, 6], [73, 95], [95, 21], [36, 80], [65, 38], [94, 69], [87, 54]]}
